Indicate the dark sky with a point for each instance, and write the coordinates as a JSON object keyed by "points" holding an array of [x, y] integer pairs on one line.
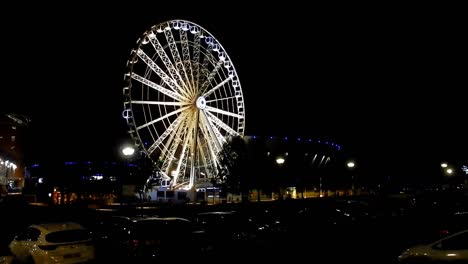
{"points": [[386, 82]]}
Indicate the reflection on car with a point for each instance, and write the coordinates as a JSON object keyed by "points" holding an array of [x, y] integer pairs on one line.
{"points": [[64, 242], [451, 248]]}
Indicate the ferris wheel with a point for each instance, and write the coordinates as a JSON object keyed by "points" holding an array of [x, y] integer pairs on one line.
{"points": [[183, 100]]}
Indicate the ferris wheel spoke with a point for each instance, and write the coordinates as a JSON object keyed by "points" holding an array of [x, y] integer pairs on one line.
{"points": [[173, 142], [172, 145], [221, 99], [204, 73], [183, 159], [166, 133], [223, 112], [214, 130], [157, 87], [159, 103], [166, 60], [206, 163], [177, 59], [211, 76], [217, 86], [186, 56], [196, 59], [163, 117], [220, 123], [212, 147], [160, 72]]}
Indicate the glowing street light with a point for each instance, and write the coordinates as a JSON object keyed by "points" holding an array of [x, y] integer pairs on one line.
{"points": [[128, 151], [280, 161], [444, 165], [449, 171], [351, 164]]}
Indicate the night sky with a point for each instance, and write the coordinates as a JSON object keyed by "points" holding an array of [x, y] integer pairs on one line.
{"points": [[385, 82]]}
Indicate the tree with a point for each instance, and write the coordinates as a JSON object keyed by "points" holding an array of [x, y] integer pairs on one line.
{"points": [[233, 167]]}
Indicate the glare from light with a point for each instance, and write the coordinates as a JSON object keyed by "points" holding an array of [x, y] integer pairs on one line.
{"points": [[50, 194], [350, 164], [128, 151], [280, 161], [40, 180], [444, 165], [449, 171]]}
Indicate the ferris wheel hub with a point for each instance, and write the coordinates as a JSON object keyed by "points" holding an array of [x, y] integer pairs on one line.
{"points": [[201, 102]]}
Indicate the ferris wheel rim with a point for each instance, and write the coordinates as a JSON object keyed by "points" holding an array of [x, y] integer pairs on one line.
{"points": [[207, 114]]}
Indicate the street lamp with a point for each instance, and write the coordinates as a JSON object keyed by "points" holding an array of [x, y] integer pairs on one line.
{"points": [[280, 161], [128, 152], [351, 165]]}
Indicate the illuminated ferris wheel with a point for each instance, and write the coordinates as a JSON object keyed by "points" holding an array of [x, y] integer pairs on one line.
{"points": [[183, 100]]}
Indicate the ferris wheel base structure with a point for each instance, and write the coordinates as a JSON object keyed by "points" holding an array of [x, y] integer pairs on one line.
{"points": [[208, 194]]}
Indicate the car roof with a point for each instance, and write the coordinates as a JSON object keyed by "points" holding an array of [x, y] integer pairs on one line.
{"points": [[217, 213], [450, 236], [151, 218], [58, 226]]}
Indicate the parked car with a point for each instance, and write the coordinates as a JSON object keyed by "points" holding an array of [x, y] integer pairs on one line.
{"points": [[449, 249], [145, 238], [227, 231], [62, 242]]}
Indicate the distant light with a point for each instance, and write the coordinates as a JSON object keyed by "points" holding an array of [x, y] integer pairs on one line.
{"points": [[50, 194], [286, 138], [350, 164], [298, 139], [280, 161], [40, 180], [465, 169], [444, 165], [310, 140], [97, 177], [449, 171], [128, 151], [254, 137]]}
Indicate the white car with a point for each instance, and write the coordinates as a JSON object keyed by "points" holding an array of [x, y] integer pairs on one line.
{"points": [[448, 249], [64, 242]]}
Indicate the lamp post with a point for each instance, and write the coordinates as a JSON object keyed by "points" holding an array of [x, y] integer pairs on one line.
{"points": [[127, 152], [351, 165], [280, 161]]}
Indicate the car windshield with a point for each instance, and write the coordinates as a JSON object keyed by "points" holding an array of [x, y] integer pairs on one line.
{"points": [[68, 236]]}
